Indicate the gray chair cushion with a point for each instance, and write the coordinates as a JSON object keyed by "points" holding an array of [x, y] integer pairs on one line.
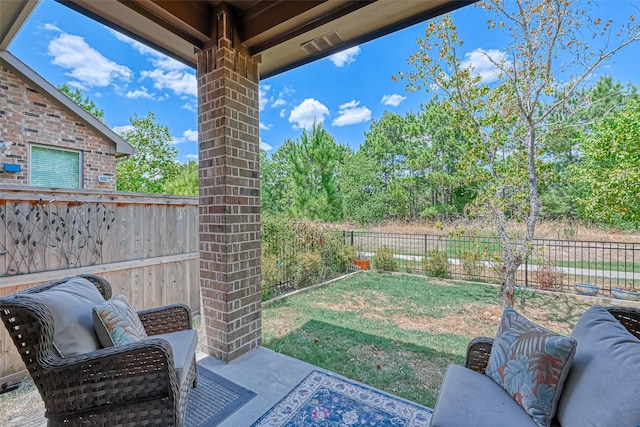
{"points": [[71, 305], [468, 398], [603, 386], [183, 344]]}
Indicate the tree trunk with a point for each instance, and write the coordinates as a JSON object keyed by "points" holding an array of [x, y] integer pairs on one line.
{"points": [[509, 271]]}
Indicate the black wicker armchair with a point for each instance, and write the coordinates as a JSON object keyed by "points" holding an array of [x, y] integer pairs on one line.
{"points": [[127, 385]]}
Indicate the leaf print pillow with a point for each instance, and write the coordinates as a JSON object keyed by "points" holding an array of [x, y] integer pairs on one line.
{"points": [[531, 363], [117, 322]]}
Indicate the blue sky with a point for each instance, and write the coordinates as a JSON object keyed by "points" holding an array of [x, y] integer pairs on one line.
{"points": [[345, 91]]}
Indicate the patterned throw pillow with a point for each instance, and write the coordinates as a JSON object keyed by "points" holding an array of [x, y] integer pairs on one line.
{"points": [[117, 322], [531, 363]]}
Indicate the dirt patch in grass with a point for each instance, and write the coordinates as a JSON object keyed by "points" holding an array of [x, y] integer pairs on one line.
{"points": [[371, 302], [282, 323], [471, 320], [440, 282]]}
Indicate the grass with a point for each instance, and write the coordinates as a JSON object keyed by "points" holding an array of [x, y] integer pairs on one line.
{"points": [[399, 332]]}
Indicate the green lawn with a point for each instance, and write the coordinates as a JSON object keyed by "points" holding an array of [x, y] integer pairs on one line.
{"points": [[398, 332]]}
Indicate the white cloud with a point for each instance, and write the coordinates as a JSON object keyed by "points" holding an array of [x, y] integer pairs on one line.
{"points": [[52, 27], [192, 157], [188, 135], [351, 114], [158, 59], [179, 82], [263, 96], [393, 100], [264, 126], [121, 130], [264, 146], [308, 112], [85, 64], [142, 48], [482, 63], [345, 57], [167, 73], [140, 93], [278, 103], [189, 106], [283, 112]]}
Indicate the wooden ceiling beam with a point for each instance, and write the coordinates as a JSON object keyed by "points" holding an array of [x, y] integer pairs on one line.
{"points": [[345, 9], [187, 19], [268, 14]]}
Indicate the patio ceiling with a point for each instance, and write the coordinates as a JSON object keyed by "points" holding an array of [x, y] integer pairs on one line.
{"points": [[285, 33]]}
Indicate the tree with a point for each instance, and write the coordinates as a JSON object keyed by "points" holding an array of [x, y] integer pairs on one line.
{"points": [[276, 183], [314, 160], [508, 121], [185, 181], [153, 163], [85, 102], [559, 195], [362, 189], [609, 172]]}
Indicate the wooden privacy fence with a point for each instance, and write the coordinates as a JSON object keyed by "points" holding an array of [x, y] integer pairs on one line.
{"points": [[145, 245]]}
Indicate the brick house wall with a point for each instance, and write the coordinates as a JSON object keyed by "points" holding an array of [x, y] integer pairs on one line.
{"points": [[29, 117]]}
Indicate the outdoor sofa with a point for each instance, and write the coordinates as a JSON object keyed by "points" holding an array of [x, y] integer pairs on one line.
{"points": [[60, 328], [599, 385]]}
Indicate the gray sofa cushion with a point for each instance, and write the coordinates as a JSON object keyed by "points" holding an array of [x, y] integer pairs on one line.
{"points": [[183, 344], [603, 386], [71, 304], [468, 398]]}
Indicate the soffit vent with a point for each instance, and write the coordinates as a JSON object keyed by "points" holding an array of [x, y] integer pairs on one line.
{"points": [[322, 43]]}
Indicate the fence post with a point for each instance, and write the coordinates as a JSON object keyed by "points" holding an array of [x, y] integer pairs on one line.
{"points": [[426, 244], [526, 272], [352, 238]]}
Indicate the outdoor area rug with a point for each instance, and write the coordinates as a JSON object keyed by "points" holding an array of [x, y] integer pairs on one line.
{"points": [[214, 399], [322, 399]]}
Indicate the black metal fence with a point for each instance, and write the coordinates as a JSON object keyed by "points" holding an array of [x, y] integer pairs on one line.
{"points": [[552, 265]]}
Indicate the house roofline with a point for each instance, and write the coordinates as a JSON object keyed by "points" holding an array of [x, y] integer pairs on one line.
{"points": [[123, 148]]}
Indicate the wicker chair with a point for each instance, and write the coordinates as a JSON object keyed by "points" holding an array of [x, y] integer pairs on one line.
{"points": [[130, 385], [479, 348]]}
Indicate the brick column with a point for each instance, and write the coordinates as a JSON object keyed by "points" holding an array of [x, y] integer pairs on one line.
{"points": [[229, 213]]}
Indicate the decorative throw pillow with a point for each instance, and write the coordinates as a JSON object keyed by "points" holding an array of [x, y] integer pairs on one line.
{"points": [[531, 363], [117, 322]]}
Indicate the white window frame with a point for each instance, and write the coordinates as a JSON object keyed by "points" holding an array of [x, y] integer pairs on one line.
{"points": [[52, 147]]}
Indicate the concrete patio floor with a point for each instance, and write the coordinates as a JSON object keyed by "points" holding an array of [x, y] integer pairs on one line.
{"points": [[269, 374]]}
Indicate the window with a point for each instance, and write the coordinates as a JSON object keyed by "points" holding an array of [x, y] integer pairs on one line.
{"points": [[54, 167]]}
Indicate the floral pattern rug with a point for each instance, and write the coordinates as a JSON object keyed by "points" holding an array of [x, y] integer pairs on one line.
{"points": [[323, 399]]}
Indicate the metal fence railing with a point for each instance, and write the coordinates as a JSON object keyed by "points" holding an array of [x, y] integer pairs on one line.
{"points": [[552, 265]]}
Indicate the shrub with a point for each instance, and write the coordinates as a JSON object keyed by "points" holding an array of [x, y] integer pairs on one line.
{"points": [[472, 263], [547, 275], [435, 263], [271, 275], [383, 260], [308, 269]]}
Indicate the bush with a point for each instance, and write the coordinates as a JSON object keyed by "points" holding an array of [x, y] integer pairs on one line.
{"points": [[547, 275], [472, 263], [271, 275], [435, 263], [383, 260], [308, 269]]}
